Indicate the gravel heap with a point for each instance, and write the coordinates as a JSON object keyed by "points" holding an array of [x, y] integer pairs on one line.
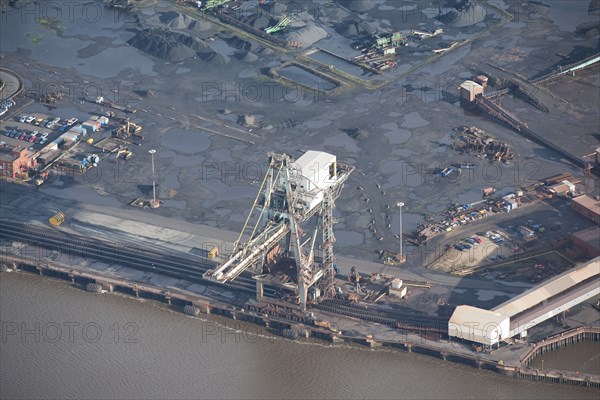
{"points": [[461, 13], [357, 5], [167, 45]]}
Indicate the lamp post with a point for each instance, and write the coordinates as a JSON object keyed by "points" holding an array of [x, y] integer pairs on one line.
{"points": [[400, 205], [153, 203]]}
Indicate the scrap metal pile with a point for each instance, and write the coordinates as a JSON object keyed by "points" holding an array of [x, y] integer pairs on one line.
{"points": [[475, 141]]}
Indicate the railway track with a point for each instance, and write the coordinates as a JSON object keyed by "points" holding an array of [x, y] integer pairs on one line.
{"points": [[149, 260], [132, 256], [394, 319]]}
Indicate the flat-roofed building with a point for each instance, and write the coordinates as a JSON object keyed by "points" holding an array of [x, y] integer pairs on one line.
{"points": [[15, 162], [469, 90], [587, 206], [588, 240]]}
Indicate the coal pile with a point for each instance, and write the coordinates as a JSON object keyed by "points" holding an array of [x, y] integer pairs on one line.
{"points": [[214, 58], [462, 13], [588, 29], [175, 20], [239, 44], [350, 29], [356, 133], [307, 35], [357, 5], [167, 45], [246, 56]]}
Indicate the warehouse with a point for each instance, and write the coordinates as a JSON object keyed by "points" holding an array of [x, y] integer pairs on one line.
{"points": [[478, 325], [588, 240], [587, 206]]}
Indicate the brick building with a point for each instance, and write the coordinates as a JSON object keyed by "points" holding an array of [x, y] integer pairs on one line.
{"points": [[587, 206], [588, 240], [15, 162]]}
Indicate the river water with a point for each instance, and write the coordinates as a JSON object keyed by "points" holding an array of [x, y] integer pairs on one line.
{"points": [[61, 342]]}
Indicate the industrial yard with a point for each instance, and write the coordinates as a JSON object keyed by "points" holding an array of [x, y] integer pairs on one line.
{"points": [[360, 171]]}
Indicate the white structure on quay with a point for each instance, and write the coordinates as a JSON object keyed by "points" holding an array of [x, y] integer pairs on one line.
{"points": [[530, 308]]}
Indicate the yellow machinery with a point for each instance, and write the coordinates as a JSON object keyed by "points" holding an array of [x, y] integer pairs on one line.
{"points": [[127, 130], [125, 154], [213, 253], [58, 218]]}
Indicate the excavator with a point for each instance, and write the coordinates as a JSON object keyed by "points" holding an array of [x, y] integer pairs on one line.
{"points": [[129, 131], [124, 154]]}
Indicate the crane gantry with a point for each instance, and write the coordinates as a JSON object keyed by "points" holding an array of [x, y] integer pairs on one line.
{"points": [[273, 242]]}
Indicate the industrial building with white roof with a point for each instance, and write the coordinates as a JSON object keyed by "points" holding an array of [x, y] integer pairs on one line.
{"points": [[530, 308]]}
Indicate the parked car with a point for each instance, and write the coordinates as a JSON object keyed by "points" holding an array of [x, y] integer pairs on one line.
{"points": [[50, 124], [470, 240], [23, 136], [478, 240], [467, 246], [39, 139], [29, 119], [44, 140], [23, 119], [459, 247], [45, 134], [32, 139]]}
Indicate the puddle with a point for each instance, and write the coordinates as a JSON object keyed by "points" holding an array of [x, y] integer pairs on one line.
{"points": [[338, 63], [307, 78], [185, 142]]}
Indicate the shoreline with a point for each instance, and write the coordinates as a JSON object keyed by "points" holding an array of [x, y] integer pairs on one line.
{"points": [[282, 323]]}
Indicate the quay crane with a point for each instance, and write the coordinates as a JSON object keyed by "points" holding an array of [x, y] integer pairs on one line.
{"points": [[272, 243]]}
